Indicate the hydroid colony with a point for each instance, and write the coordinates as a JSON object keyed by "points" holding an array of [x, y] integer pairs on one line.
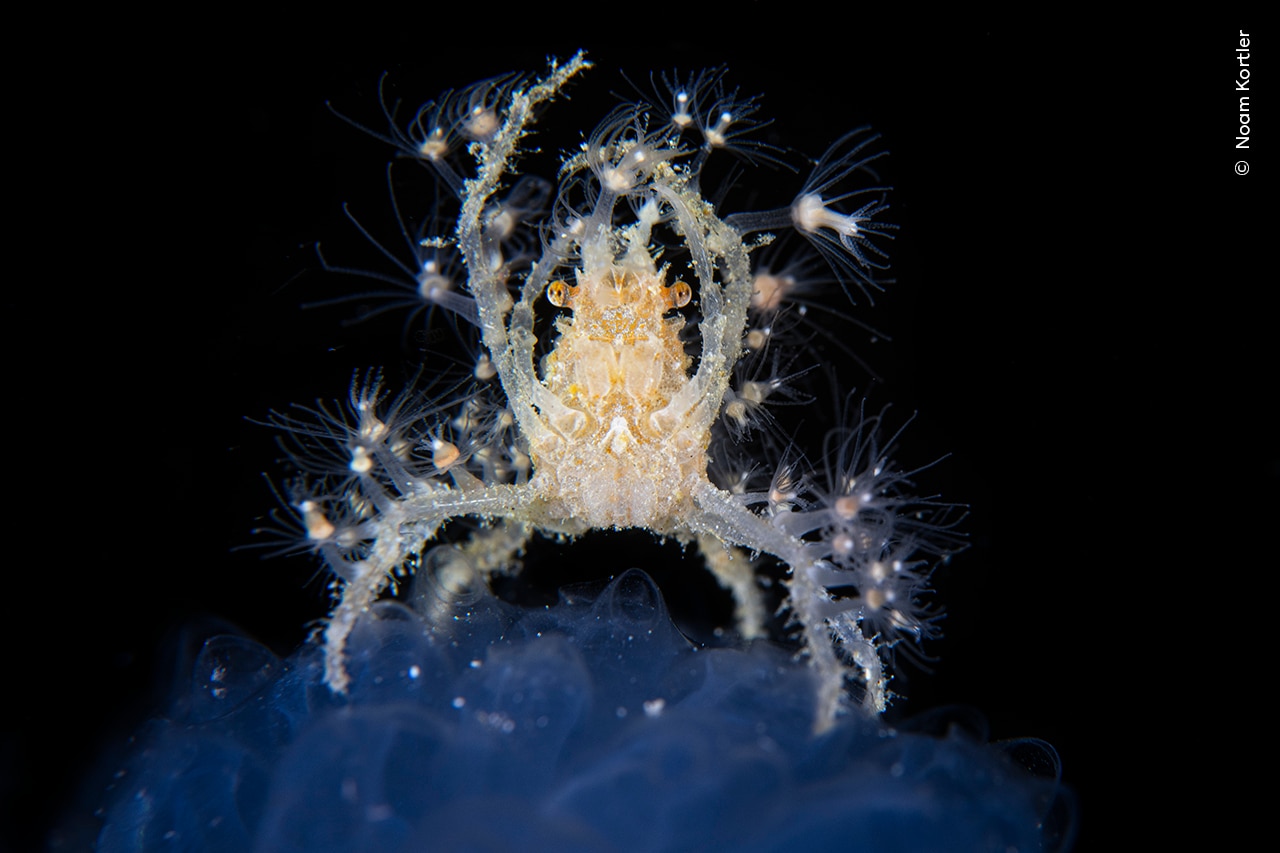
{"points": [[614, 426]]}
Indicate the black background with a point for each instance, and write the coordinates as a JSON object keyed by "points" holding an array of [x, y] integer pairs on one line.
{"points": [[1075, 320]]}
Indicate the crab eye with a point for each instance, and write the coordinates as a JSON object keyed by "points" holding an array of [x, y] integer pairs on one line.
{"points": [[678, 295], [560, 294]]}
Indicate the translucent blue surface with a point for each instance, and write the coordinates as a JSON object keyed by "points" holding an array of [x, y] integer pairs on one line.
{"points": [[593, 725]]}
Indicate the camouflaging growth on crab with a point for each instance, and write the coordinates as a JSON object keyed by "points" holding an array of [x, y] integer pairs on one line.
{"points": [[610, 422]]}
